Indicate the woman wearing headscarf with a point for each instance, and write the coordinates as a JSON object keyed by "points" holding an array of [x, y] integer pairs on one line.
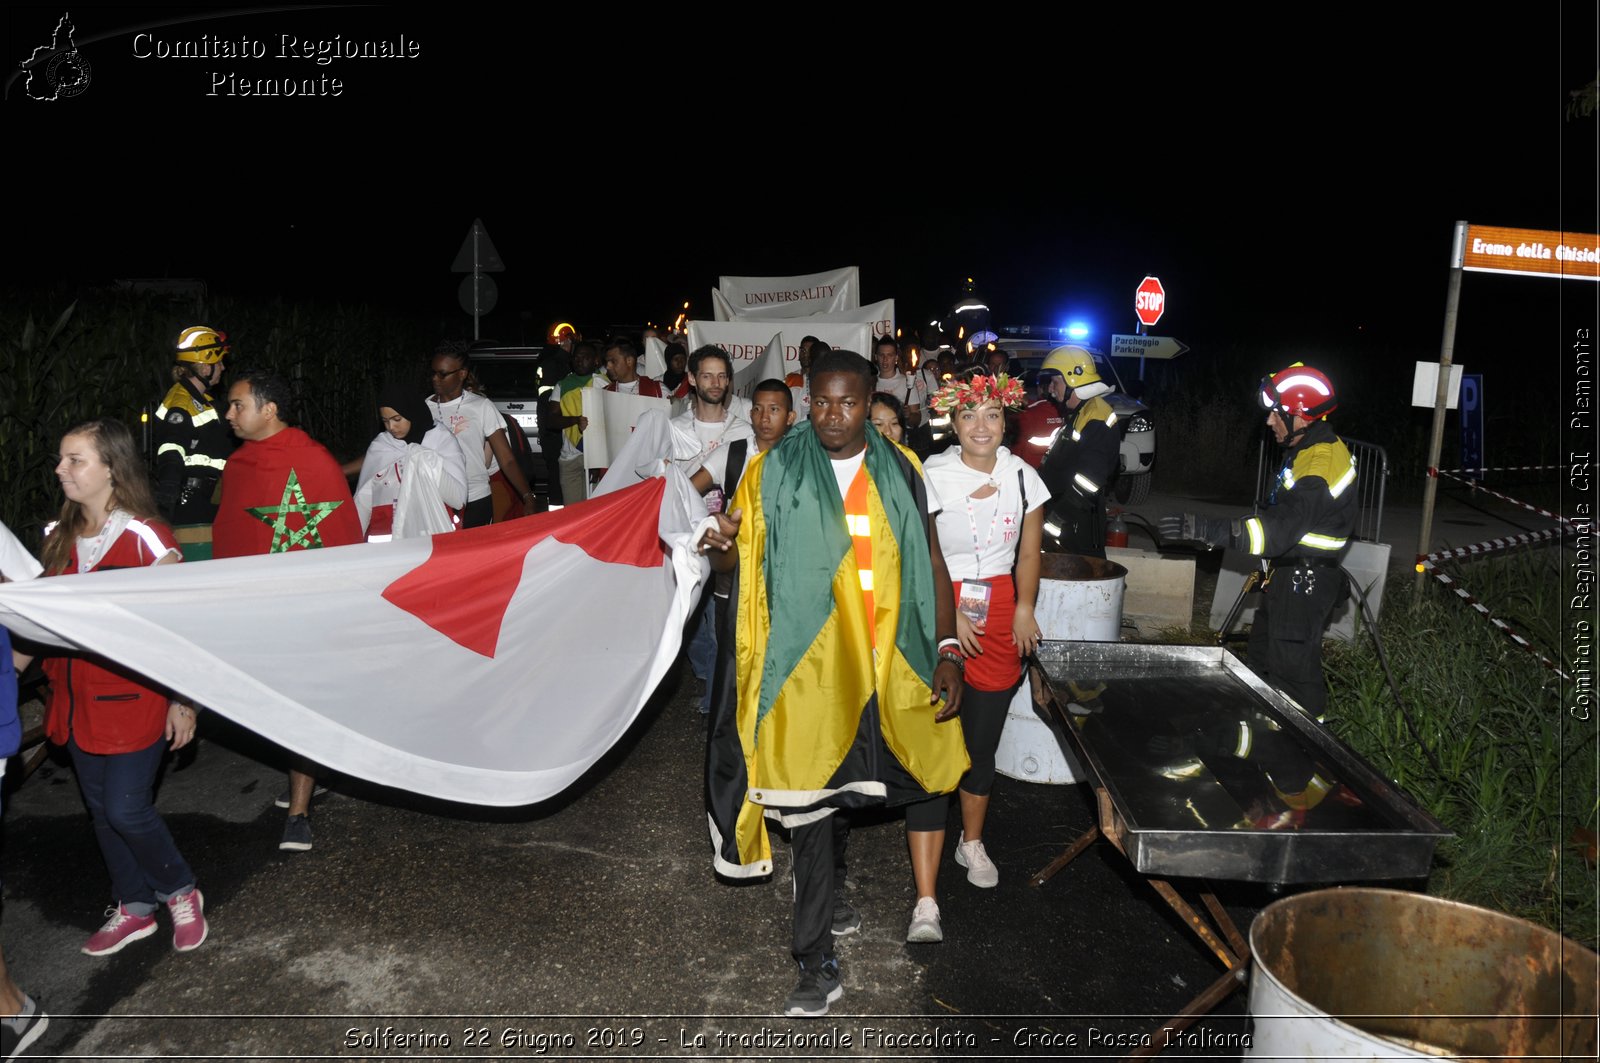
{"points": [[413, 477]]}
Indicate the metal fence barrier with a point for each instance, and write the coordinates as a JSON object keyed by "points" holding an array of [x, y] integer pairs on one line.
{"points": [[1372, 474]]}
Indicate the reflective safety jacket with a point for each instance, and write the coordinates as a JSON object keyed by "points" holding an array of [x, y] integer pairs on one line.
{"points": [[1313, 507], [1083, 460], [192, 447]]}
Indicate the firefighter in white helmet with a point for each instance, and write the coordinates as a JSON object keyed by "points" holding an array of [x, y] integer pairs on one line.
{"points": [[1305, 531], [1081, 463], [192, 440]]}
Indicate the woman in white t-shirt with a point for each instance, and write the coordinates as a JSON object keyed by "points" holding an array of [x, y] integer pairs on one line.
{"points": [[992, 524]]}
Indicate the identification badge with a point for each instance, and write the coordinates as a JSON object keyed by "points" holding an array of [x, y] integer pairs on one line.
{"points": [[974, 601]]}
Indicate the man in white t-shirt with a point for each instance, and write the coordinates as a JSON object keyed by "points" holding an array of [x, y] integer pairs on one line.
{"points": [[480, 432], [907, 387], [708, 426]]}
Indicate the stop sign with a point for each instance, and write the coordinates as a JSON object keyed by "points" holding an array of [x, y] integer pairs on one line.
{"points": [[1149, 301]]}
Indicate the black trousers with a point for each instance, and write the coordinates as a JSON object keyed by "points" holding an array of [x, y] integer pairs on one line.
{"points": [[819, 866], [1083, 529], [1286, 638], [479, 513], [819, 871]]}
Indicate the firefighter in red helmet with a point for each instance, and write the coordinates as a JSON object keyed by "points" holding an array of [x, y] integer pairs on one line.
{"points": [[1304, 532]]}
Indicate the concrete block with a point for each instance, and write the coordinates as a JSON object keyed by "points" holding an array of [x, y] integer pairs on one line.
{"points": [[1160, 590]]}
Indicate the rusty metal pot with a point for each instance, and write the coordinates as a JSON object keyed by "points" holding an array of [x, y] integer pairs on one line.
{"points": [[1385, 974]]}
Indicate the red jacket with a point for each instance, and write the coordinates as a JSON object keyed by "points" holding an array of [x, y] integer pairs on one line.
{"points": [[104, 707], [1037, 426]]}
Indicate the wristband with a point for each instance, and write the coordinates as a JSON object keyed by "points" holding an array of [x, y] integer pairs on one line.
{"points": [[952, 641], [954, 658]]}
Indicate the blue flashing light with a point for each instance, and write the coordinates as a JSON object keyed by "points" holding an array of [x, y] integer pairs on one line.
{"points": [[1077, 330]]}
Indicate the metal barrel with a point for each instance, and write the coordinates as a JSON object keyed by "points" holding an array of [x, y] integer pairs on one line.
{"points": [[1383, 974]]}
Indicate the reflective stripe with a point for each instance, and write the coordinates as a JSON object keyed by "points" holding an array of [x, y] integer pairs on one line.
{"points": [[1111, 420], [152, 541], [204, 417], [163, 448], [1303, 380], [866, 579], [1052, 528], [1084, 482], [1077, 437], [1344, 481], [161, 412], [204, 462], [858, 524], [1258, 538], [1241, 748], [1043, 441], [1287, 479], [1322, 542]]}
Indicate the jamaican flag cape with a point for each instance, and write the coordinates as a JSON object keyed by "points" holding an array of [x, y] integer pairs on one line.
{"points": [[820, 720]]}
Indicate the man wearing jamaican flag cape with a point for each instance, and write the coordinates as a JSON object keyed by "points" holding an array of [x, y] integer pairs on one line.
{"points": [[845, 647]]}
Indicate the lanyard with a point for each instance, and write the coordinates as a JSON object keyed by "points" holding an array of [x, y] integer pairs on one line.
{"points": [[972, 522]]}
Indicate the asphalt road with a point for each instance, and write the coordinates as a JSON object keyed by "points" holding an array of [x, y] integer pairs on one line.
{"points": [[595, 916], [592, 926]]}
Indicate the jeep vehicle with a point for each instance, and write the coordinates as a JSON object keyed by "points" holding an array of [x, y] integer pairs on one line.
{"points": [[510, 377]]}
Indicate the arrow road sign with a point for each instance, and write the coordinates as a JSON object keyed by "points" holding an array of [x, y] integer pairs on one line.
{"points": [[1146, 347]]}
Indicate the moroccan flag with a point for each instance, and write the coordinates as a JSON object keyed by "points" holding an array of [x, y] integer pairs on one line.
{"points": [[814, 697], [492, 665], [280, 494]]}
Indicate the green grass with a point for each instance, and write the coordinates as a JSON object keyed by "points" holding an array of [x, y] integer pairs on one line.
{"points": [[1516, 773]]}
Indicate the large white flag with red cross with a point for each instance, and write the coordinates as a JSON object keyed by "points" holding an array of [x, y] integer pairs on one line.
{"points": [[491, 666]]}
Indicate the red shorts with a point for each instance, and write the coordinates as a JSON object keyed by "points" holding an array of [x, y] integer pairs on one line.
{"points": [[998, 667]]}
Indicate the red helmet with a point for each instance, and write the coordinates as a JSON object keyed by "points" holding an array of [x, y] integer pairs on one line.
{"points": [[1299, 391]]}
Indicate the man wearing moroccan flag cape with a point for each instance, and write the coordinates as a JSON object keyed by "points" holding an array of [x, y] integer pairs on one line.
{"points": [[425, 664], [842, 601], [282, 492]]}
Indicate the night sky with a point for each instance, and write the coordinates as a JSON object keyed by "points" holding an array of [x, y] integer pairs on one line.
{"points": [[1293, 182]]}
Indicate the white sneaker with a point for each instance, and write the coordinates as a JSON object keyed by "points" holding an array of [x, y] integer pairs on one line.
{"points": [[980, 869], [925, 922]]}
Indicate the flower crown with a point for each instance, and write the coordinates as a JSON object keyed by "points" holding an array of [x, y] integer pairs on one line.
{"points": [[977, 390]]}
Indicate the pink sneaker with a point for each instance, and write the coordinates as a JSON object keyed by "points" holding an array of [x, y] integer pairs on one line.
{"points": [[189, 925], [121, 928]]}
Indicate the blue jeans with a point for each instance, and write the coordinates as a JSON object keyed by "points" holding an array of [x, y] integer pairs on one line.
{"points": [[703, 647], [146, 867]]}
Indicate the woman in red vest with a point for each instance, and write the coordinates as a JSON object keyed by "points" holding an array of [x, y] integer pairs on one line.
{"points": [[114, 726]]}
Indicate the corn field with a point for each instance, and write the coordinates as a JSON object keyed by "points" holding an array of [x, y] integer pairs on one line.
{"points": [[108, 354]]}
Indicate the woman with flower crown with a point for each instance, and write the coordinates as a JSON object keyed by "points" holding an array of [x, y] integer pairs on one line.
{"points": [[991, 531]]}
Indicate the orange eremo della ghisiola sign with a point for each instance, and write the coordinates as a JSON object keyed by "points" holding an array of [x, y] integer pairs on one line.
{"points": [[1541, 252]]}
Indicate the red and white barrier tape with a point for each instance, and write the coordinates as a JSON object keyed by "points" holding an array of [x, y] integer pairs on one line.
{"points": [[1483, 610], [1505, 468], [1504, 498]]}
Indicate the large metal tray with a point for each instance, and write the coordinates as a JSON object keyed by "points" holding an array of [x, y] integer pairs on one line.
{"points": [[1161, 740]]}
